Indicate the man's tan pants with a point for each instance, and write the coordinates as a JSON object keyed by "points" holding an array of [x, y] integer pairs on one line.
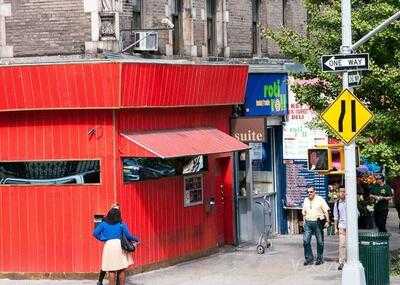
{"points": [[342, 245]]}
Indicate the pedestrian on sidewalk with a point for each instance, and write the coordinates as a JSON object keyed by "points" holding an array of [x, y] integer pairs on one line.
{"points": [[339, 217], [395, 184], [102, 274], [114, 259], [316, 217], [382, 194]]}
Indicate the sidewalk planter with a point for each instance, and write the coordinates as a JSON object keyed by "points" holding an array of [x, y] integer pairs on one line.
{"points": [[374, 256]]}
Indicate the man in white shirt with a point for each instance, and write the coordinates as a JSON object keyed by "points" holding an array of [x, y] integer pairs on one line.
{"points": [[316, 217], [339, 216]]}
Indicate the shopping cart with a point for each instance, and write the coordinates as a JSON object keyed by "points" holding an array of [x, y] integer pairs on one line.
{"points": [[263, 241]]}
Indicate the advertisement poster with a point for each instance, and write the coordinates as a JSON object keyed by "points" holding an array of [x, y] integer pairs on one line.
{"points": [[298, 178], [298, 137], [266, 94]]}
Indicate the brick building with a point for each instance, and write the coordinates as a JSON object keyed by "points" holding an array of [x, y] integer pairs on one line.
{"points": [[227, 28]]}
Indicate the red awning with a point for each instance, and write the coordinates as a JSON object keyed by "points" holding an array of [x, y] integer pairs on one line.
{"points": [[183, 142]]}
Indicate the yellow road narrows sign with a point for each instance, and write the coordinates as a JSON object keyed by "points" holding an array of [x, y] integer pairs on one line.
{"points": [[347, 116]]}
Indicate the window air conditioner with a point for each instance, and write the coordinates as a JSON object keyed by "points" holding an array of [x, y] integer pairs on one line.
{"points": [[147, 41]]}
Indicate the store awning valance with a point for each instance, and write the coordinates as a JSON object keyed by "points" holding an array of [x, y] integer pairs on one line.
{"points": [[182, 142]]}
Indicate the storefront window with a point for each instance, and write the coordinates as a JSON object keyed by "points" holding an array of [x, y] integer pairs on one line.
{"points": [[193, 187], [140, 168], [50, 172], [262, 169]]}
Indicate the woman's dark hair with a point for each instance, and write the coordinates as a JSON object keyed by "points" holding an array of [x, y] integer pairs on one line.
{"points": [[113, 216]]}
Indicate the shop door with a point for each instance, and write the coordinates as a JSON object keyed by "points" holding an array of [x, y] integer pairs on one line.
{"points": [[264, 184], [224, 202], [250, 214]]}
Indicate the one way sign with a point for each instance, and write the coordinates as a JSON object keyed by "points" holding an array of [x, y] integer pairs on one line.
{"points": [[348, 62]]}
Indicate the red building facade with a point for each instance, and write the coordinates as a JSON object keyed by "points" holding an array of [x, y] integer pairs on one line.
{"points": [[105, 112]]}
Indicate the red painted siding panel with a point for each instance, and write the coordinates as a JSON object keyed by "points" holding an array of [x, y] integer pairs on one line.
{"points": [[60, 86], [166, 85], [119, 85], [154, 209], [174, 118], [48, 228]]}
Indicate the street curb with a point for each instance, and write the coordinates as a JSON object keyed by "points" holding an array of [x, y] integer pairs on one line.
{"points": [[95, 275]]}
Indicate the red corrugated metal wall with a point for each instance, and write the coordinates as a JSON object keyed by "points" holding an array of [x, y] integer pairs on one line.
{"points": [[154, 209], [120, 85], [182, 85], [60, 86], [174, 118], [48, 228]]}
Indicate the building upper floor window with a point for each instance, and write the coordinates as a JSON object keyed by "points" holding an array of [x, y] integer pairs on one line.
{"points": [[176, 15], [255, 25], [50, 172], [177, 7], [211, 23], [137, 14], [140, 168]]}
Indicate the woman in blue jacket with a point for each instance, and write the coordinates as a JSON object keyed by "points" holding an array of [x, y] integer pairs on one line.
{"points": [[114, 259]]}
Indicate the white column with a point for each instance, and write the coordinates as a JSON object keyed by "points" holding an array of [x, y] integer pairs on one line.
{"points": [[169, 42], [225, 20], [188, 27], [93, 7], [5, 11]]}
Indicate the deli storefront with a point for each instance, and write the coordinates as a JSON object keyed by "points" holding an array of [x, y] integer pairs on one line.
{"points": [[76, 137]]}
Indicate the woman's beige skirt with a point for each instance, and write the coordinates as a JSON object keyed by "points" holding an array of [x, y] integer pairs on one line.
{"points": [[114, 258]]}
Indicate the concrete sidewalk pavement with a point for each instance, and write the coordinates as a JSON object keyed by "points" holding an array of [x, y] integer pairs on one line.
{"points": [[281, 265]]}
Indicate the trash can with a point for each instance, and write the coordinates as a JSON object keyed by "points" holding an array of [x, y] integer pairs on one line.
{"points": [[374, 256]]}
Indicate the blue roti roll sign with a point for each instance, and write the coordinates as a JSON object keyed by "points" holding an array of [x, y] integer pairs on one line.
{"points": [[266, 94]]}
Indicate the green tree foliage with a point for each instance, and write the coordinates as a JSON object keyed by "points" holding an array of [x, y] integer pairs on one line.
{"points": [[380, 89]]}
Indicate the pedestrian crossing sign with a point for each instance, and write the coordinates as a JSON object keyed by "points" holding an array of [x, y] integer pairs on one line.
{"points": [[347, 116]]}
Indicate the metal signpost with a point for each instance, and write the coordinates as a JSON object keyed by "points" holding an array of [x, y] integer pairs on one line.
{"points": [[353, 271], [347, 116]]}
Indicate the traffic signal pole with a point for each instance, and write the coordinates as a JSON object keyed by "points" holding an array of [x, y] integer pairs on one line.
{"points": [[353, 271]]}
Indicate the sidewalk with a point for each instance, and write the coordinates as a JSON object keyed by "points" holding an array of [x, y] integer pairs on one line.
{"points": [[282, 265]]}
